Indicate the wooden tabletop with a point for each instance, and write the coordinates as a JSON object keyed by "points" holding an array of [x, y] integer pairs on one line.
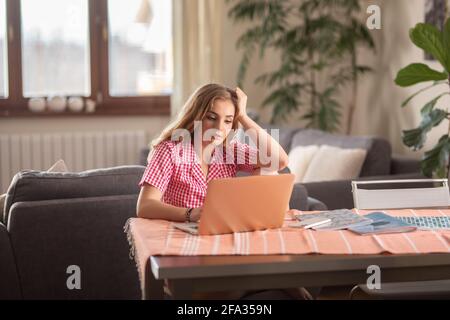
{"points": [[186, 275], [179, 267]]}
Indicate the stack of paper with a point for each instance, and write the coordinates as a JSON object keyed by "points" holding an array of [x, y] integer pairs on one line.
{"points": [[382, 223], [340, 219]]}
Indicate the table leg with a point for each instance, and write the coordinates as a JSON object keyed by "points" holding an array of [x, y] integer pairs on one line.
{"points": [[182, 289], [153, 288]]}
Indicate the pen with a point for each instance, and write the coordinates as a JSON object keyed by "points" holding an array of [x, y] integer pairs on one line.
{"points": [[315, 224]]}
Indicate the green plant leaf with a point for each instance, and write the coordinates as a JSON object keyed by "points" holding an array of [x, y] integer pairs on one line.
{"points": [[430, 105], [418, 72], [243, 66], [363, 69], [420, 91], [284, 100], [415, 138], [250, 37], [436, 159], [327, 116], [365, 37], [446, 39], [249, 9], [430, 39]]}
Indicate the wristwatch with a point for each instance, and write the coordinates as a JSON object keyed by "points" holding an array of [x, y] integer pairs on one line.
{"points": [[188, 214]]}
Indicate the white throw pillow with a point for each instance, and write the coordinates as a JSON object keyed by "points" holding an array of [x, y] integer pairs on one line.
{"points": [[59, 166], [299, 160], [332, 163]]}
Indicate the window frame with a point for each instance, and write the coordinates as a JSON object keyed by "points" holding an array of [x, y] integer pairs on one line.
{"points": [[16, 105]]}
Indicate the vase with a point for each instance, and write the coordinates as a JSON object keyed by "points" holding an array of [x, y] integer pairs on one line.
{"points": [[90, 105], [75, 104], [36, 104], [56, 103]]}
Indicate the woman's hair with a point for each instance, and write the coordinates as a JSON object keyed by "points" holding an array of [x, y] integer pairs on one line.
{"points": [[196, 107]]}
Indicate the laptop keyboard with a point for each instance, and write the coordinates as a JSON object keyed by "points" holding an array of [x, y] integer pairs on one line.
{"points": [[439, 222]]}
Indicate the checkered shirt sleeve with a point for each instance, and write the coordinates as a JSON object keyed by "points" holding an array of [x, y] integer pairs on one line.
{"points": [[159, 167], [245, 156]]}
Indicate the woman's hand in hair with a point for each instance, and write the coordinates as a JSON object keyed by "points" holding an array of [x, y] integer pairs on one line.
{"points": [[266, 144], [242, 103]]}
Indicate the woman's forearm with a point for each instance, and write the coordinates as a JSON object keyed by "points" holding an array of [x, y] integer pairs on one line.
{"points": [[267, 145], [156, 209]]}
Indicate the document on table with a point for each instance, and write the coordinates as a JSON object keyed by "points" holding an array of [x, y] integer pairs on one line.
{"points": [[340, 219]]}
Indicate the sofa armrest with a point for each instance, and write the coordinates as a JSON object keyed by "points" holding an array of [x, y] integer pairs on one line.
{"points": [[316, 205], [9, 280], [334, 194], [30, 185], [50, 235], [400, 165], [338, 194], [299, 198]]}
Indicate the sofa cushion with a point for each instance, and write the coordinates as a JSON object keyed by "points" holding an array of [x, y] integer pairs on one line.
{"points": [[378, 158], [332, 163], [58, 166], [50, 235], [299, 159], [29, 185]]}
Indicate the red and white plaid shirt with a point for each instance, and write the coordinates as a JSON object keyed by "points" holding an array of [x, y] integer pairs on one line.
{"points": [[173, 167]]}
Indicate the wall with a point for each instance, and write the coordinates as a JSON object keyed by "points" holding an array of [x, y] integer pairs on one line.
{"points": [[378, 111], [152, 125]]}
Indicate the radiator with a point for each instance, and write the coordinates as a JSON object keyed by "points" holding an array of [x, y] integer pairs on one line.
{"points": [[80, 150]]}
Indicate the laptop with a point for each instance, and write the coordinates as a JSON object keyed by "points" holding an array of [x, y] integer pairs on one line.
{"points": [[243, 204]]}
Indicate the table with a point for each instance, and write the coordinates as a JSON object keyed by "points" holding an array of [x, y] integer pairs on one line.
{"points": [[187, 275]]}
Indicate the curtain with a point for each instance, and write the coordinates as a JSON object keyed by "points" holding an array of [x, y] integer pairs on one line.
{"points": [[197, 47]]}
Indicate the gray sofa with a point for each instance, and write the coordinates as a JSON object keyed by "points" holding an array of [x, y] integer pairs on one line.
{"points": [[54, 220]]}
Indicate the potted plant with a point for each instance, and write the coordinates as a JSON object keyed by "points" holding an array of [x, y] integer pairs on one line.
{"points": [[317, 41], [435, 162]]}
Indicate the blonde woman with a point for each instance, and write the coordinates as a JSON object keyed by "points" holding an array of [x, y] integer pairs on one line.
{"points": [[180, 166], [195, 149]]}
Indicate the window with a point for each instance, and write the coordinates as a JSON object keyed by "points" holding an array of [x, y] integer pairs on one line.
{"points": [[3, 52], [55, 48], [139, 47], [114, 52]]}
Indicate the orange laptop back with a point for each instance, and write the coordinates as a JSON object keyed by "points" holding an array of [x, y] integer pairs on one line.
{"points": [[245, 204]]}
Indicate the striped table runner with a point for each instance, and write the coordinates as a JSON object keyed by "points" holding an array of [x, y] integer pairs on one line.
{"points": [[159, 237]]}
